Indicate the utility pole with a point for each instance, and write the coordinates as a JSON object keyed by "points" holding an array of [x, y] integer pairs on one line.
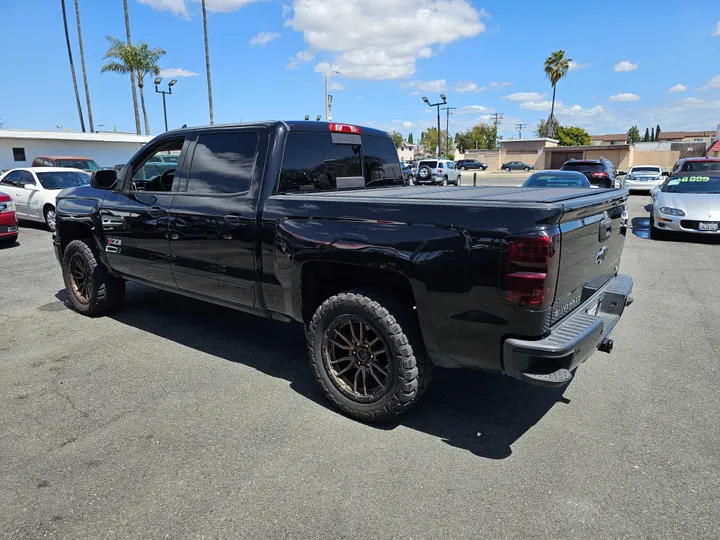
{"points": [[447, 129], [520, 127], [496, 120]]}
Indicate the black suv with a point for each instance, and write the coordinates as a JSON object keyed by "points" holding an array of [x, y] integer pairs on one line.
{"points": [[466, 164], [600, 172]]}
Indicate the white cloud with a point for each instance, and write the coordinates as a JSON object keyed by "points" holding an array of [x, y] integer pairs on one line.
{"points": [[537, 105], [471, 87], [173, 73], [472, 109], [380, 39], [180, 7], [677, 89], [713, 84], [439, 85], [496, 84], [562, 110], [263, 38], [625, 65], [577, 65], [525, 96], [716, 30], [407, 124], [690, 113], [334, 85], [300, 58], [626, 96]]}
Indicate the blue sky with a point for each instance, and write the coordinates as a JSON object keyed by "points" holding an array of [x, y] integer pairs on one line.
{"points": [[485, 56]]}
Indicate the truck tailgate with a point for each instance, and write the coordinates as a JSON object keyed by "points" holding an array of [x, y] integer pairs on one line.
{"points": [[592, 241]]}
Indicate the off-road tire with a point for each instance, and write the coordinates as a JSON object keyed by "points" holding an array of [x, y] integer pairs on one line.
{"points": [[411, 367], [106, 292]]}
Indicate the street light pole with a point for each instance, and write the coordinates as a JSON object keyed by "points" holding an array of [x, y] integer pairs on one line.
{"points": [[158, 80], [327, 97], [443, 102]]}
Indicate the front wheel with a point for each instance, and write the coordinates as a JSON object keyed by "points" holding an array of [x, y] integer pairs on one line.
{"points": [[51, 219], [362, 356], [507, 169], [90, 287], [527, 169]]}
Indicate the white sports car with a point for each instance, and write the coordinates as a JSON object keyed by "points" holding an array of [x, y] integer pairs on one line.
{"points": [[686, 202], [34, 190], [644, 177]]}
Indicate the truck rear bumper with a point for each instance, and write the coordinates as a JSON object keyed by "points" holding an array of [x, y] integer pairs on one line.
{"points": [[550, 361]]}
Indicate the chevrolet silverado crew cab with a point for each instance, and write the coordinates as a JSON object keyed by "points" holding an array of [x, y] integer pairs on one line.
{"points": [[308, 222]]}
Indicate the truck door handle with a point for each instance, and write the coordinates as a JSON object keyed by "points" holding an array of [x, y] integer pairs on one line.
{"points": [[157, 211], [605, 229]]}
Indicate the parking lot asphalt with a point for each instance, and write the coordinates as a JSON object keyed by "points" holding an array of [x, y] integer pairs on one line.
{"points": [[176, 419]]}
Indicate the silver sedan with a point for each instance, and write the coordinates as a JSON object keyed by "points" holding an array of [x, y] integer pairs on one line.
{"points": [[687, 202]]}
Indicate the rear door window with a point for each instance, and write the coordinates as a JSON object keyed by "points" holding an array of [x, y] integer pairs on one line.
{"points": [[223, 163], [584, 167], [11, 179], [431, 164]]}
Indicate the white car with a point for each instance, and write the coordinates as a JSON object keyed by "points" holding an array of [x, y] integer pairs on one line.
{"points": [[34, 190], [644, 177], [687, 202]]}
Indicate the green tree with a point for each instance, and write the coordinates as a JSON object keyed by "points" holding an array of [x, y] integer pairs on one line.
{"points": [[139, 59], [72, 67], [82, 65], [556, 67], [429, 139], [657, 132], [132, 73], [652, 134], [633, 135], [410, 139], [573, 136], [541, 128], [646, 138], [397, 139], [481, 136]]}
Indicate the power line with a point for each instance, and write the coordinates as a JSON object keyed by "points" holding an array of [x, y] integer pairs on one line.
{"points": [[520, 127]]}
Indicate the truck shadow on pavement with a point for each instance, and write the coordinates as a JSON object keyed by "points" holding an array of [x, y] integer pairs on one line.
{"points": [[482, 413]]}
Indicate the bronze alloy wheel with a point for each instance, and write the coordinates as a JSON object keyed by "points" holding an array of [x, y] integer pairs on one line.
{"points": [[80, 278], [357, 359]]}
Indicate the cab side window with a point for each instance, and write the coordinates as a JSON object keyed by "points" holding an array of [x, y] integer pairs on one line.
{"points": [[151, 174], [223, 163]]}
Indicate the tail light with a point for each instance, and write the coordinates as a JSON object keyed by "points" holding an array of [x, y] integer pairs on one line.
{"points": [[344, 128], [600, 175], [440, 171], [531, 269], [6, 203]]}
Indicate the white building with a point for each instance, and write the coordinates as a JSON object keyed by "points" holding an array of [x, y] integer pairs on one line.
{"points": [[406, 152], [19, 148]]}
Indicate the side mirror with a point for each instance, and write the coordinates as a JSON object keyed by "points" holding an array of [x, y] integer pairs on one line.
{"points": [[103, 179], [666, 173], [30, 186], [622, 173]]}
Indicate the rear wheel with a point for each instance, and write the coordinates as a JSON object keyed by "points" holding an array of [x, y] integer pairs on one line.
{"points": [[90, 287], [362, 356], [527, 169], [463, 168], [507, 169], [445, 181]]}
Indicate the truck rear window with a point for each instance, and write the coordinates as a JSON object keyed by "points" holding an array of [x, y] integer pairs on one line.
{"points": [[312, 162], [583, 167]]}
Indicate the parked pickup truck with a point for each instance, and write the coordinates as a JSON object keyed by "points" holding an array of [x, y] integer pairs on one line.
{"points": [[308, 222]]}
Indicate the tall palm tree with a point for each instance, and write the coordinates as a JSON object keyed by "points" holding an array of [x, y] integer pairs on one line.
{"points": [[556, 67], [72, 67], [139, 59], [132, 74], [82, 65], [207, 64]]}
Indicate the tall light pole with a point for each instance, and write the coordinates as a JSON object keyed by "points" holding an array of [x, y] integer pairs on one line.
{"points": [[158, 80], [443, 102], [327, 97]]}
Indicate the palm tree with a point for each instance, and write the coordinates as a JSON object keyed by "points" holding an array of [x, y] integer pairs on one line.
{"points": [[132, 74], [82, 64], [207, 64], [72, 67], [139, 59], [556, 67]]}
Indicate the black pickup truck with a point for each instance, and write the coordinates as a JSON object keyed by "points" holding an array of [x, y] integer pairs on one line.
{"points": [[309, 222]]}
